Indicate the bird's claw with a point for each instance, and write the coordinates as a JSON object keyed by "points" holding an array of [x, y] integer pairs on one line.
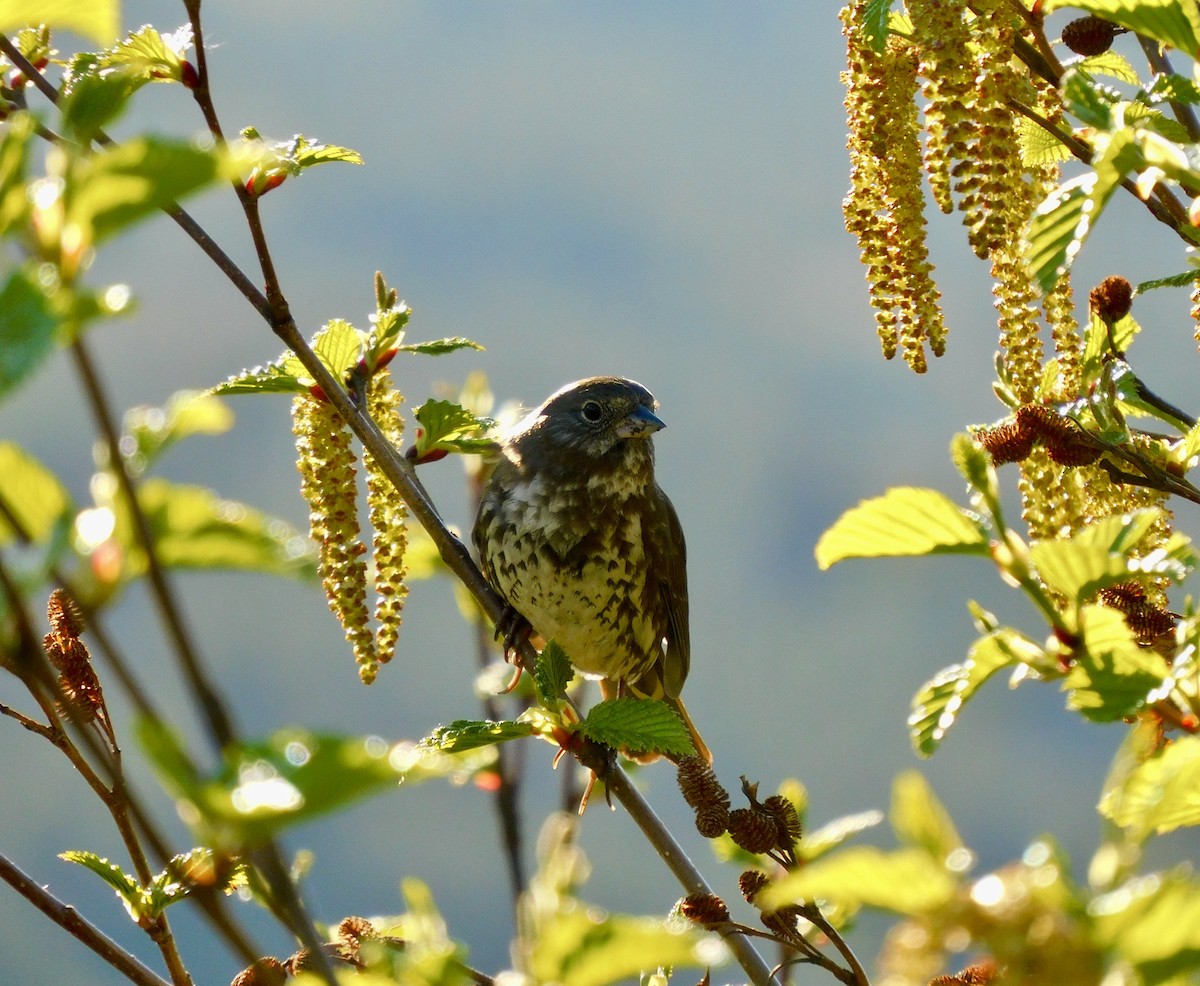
{"points": [[512, 630]]}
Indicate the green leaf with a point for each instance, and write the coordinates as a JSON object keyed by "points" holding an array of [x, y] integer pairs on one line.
{"points": [[447, 426], [581, 947], [194, 528], [552, 674], [126, 887], [278, 159], [1058, 229], [266, 786], [638, 724], [1171, 87], [906, 881], [1183, 280], [152, 56], [919, 819], [1111, 64], [32, 494], [935, 708], [1112, 676], [1153, 923], [1087, 100], [1096, 557], [270, 379], [152, 430], [439, 347], [833, 834], [28, 323], [905, 521], [15, 140], [876, 23], [115, 187], [97, 19], [471, 734], [1173, 22], [1159, 794], [1038, 145]]}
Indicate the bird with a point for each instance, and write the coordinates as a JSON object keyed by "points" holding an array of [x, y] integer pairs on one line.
{"points": [[574, 533]]}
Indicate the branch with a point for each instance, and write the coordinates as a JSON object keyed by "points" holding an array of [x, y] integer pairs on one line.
{"points": [[73, 922], [685, 871]]}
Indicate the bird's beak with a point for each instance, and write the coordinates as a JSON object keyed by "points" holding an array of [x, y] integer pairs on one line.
{"points": [[641, 423]]}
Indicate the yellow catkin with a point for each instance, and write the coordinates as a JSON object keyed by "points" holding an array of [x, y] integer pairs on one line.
{"points": [[388, 515], [948, 72], [884, 207], [327, 480]]}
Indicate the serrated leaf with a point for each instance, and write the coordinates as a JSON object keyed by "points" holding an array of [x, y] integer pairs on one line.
{"points": [[471, 734], [920, 819], [115, 187], [339, 346], [1159, 794], [277, 159], [152, 430], [974, 464], [1174, 88], [269, 379], [439, 347], [578, 946], [1096, 557], [1109, 63], [1112, 676], [32, 494], [1183, 280], [126, 887], [936, 707], [194, 528], [1173, 22], [833, 834], [450, 426], [875, 23], [97, 19], [904, 522], [153, 56], [1058, 229], [638, 724], [905, 881], [1038, 145], [552, 674], [28, 323], [1088, 100]]}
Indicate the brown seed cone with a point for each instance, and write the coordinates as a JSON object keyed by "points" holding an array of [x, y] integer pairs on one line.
{"points": [[1112, 298], [1089, 35], [267, 971], [712, 821], [704, 909], [753, 830], [980, 974], [64, 615], [1147, 621], [699, 785], [750, 883], [1008, 442], [787, 821]]}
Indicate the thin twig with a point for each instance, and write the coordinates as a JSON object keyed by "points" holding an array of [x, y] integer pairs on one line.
{"points": [[73, 922], [216, 717]]}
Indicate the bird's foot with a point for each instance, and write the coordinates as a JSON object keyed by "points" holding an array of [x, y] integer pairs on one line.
{"points": [[512, 630]]}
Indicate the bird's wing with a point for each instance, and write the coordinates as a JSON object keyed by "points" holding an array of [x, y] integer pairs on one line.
{"points": [[674, 591]]}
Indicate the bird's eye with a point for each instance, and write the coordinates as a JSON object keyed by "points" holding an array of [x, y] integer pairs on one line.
{"points": [[591, 411]]}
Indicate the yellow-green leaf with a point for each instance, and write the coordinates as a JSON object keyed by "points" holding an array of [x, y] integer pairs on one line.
{"points": [[1160, 794], [906, 881], [1096, 557], [97, 19], [905, 521], [580, 947], [1112, 676], [34, 496], [1173, 22], [920, 819]]}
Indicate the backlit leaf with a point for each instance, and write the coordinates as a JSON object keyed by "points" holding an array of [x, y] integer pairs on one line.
{"points": [[1159, 794], [1112, 676], [1173, 22], [28, 324], [905, 521], [97, 19], [34, 496]]}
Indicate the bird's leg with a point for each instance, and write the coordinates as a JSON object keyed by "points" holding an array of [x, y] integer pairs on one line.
{"points": [[512, 629]]}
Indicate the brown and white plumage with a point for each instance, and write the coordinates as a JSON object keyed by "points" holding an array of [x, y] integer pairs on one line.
{"points": [[576, 535]]}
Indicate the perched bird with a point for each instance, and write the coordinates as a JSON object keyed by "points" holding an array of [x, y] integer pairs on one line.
{"points": [[576, 536]]}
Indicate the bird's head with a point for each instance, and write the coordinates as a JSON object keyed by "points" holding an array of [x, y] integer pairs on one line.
{"points": [[590, 424]]}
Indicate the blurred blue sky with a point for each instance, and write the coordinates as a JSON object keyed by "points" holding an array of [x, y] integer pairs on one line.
{"points": [[652, 190]]}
